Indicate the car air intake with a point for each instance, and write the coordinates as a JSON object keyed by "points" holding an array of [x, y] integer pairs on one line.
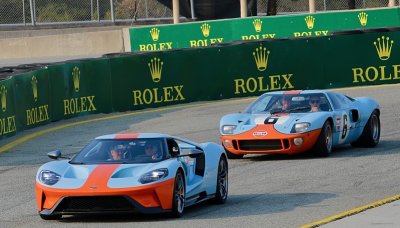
{"points": [[95, 203], [260, 145]]}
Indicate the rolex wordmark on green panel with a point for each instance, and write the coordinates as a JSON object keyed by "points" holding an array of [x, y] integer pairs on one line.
{"points": [[157, 94], [385, 71], [263, 83]]}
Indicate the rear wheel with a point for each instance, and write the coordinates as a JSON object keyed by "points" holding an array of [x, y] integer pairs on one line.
{"points": [[371, 133], [50, 217], [178, 199], [323, 146], [222, 182]]}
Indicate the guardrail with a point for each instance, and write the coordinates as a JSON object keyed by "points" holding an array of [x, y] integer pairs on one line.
{"points": [[35, 94]]}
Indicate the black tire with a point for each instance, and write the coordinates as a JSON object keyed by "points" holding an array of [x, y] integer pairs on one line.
{"points": [[178, 197], [221, 193], [323, 146], [371, 133], [232, 155], [50, 217]]}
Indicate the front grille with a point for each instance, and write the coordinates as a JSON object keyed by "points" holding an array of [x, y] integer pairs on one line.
{"points": [[260, 145], [95, 203]]}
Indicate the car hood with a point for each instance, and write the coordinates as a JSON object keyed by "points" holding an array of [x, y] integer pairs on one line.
{"points": [[116, 175], [283, 122]]}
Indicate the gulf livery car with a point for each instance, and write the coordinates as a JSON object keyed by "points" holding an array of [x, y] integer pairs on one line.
{"points": [[290, 122], [147, 173]]}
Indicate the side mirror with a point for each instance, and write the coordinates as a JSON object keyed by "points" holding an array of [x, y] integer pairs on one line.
{"points": [[54, 154]]}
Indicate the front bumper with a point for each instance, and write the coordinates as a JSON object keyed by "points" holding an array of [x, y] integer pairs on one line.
{"points": [[152, 198], [273, 142]]}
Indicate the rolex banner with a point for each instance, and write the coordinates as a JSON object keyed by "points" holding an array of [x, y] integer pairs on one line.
{"points": [[80, 88], [32, 93], [206, 33], [8, 122]]}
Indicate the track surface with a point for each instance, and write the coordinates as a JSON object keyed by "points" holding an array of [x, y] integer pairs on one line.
{"points": [[264, 191]]}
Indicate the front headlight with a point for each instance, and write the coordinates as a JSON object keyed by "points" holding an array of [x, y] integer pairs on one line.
{"points": [[228, 129], [154, 175], [300, 127], [48, 177]]}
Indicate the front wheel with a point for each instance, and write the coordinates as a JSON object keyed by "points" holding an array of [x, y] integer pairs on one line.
{"points": [[178, 199], [323, 146], [221, 193]]}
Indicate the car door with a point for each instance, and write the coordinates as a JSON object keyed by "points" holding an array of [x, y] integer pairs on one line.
{"points": [[343, 118], [194, 166]]}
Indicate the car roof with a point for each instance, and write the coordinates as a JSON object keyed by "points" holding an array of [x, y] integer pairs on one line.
{"points": [[133, 136]]}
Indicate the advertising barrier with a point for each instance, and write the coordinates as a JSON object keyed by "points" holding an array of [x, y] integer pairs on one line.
{"points": [[133, 81], [206, 33]]}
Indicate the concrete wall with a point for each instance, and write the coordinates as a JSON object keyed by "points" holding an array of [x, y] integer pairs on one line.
{"points": [[75, 43]]}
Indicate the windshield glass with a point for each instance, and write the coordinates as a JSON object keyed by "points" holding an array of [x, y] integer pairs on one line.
{"points": [[122, 151], [289, 103]]}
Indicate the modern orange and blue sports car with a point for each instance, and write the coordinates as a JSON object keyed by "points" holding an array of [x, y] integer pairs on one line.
{"points": [[125, 173], [290, 122]]}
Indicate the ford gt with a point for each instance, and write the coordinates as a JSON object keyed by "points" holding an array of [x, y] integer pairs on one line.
{"points": [[126, 173]]}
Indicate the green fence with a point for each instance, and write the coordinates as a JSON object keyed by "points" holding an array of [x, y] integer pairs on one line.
{"points": [[200, 34], [134, 81]]}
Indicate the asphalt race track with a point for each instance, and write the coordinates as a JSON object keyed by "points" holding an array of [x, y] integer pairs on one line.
{"points": [[264, 191]]}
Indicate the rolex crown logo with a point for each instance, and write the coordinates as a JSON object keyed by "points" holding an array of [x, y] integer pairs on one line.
{"points": [[383, 47], [261, 57], [76, 77], [257, 25], [205, 29], [363, 17], [310, 22], [155, 66], [155, 33], [3, 94], [34, 87]]}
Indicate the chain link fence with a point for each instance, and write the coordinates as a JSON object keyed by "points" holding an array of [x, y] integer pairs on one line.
{"points": [[38, 12]]}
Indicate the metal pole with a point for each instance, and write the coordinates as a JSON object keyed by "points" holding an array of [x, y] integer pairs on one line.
{"points": [[91, 10], [32, 12], [192, 9], [243, 8], [324, 5], [23, 11], [112, 10], [311, 5], [98, 11], [392, 3], [175, 11]]}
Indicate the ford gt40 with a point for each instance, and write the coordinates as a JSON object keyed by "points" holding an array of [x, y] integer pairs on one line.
{"points": [[290, 122]]}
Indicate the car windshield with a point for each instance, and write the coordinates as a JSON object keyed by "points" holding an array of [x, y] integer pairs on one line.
{"points": [[103, 151], [289, 103]]}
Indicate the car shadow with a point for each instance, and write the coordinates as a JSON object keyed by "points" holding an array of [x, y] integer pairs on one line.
{"points": [[235, 206], [385, 147]]}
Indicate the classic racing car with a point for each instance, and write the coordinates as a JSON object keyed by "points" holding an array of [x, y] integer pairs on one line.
{"points": [[124, 173], [289, 122]]}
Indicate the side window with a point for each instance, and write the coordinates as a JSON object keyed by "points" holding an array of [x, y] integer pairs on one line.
{"points": [[338, 101]]}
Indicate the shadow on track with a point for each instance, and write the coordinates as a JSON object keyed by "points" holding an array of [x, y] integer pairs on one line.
{"points": [[235, 206]]}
